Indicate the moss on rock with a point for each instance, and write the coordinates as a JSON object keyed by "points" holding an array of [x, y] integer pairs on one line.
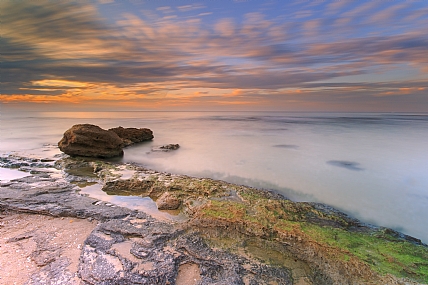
{"points": [[329, 241]]}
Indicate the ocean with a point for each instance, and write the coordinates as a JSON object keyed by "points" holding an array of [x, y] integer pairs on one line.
{"points": [[373, 166]]}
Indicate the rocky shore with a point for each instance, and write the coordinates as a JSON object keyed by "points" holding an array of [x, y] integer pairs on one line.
{"points": [[226, 233]]}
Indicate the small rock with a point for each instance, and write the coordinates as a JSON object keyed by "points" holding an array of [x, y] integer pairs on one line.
{"points": [[170, 146], [167, 147], [168, 201]]}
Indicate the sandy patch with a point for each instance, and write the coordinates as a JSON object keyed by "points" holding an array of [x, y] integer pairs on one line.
{"points": [[30, 242], [188, 274]]}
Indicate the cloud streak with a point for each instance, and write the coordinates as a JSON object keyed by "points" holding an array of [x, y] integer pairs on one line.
{"points": [[70, 52]]}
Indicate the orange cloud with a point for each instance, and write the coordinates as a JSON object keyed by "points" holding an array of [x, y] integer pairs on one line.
{"points": [[58, 83], [401, 91], [234, 93], [66, 98]]}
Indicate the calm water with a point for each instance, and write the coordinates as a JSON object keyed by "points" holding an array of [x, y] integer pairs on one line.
{"points": [[372, 166]]}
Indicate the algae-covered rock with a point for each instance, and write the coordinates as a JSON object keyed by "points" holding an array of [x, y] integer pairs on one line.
{"points": [[168, 201], [234, 234]]}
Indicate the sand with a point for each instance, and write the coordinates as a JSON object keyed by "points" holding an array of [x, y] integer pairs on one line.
{"points": [[30, 242]]}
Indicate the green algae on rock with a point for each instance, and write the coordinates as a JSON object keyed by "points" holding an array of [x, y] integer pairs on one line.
{"points": [[336, 248]]}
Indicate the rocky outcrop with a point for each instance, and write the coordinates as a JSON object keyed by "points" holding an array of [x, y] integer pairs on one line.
{"points": [[91, 141], [133, 135]]}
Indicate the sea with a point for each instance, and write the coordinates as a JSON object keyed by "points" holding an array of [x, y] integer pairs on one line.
{"points": [[372, 166]]}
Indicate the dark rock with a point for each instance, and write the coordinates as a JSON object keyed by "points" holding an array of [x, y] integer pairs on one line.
{"points": [[133, 135], [167, 147], [170, 146], [91, 141], [346, 164]]}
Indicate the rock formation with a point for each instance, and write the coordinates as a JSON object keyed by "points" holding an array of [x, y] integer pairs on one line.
{"points": [[232, 235], [90, 140], [93, 141], [133, 135]]}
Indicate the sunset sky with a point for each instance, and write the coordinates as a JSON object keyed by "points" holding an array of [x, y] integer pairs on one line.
{"points": [[214, 55]]}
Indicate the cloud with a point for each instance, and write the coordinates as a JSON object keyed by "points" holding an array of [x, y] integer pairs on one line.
{"points": [[336, 6], [362, 10], [55, 30], [225, 27], [68, 51], [389, 13], [165, 9], [191, 7], [205, 14]]}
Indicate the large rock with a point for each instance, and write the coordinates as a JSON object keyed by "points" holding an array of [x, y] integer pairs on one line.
{"points": [[90, 140], [133, 135]]}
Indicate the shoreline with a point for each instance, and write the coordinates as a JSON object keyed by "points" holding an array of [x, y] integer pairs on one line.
{"points": [[216, 209], [29, 163]]}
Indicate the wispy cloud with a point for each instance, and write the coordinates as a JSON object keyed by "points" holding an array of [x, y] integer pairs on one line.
{"points": [[70, 52]]}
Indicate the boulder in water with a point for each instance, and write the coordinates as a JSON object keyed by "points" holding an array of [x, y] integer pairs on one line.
{"points": [[91, 141]]}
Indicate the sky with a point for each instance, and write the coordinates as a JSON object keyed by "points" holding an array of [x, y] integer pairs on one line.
{"points": [[172, 55]]}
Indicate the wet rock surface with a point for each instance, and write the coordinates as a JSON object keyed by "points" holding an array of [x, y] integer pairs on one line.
{"points": [[232, 235]]}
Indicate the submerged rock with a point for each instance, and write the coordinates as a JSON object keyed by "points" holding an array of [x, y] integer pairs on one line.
{"points": [[166, 148], [346, 164], [92, 141], [131, 136]]}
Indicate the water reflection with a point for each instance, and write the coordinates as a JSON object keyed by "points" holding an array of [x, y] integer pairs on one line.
{"points": [[7, 175], [144, 204]]}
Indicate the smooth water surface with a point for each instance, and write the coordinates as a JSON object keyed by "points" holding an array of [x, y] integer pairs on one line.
{"points": [[372, 166]]}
